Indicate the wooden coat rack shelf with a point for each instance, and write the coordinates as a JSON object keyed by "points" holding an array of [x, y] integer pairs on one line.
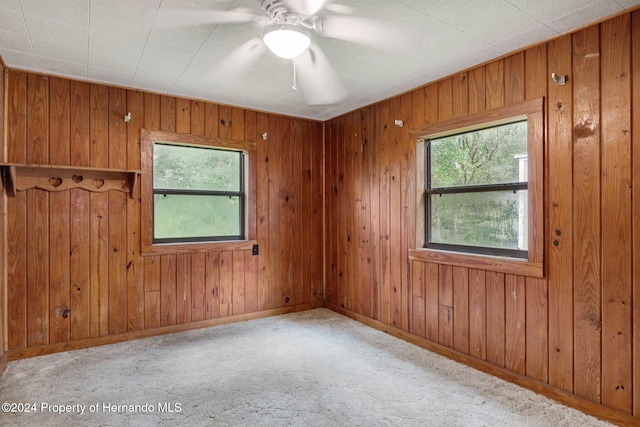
{"points": [[21, 177]]}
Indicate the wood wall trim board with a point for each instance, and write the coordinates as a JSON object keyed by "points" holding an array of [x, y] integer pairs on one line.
{"points": [[462, 124], [25, 353], [192, 248], [190, 139], [561, 396], [515, 266]]}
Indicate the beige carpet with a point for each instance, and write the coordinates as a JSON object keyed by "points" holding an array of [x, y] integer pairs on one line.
{"points": [[315, 368]]}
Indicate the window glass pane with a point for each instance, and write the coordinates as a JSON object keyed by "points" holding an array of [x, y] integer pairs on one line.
{"points": [[494, 155], [195, 168], [496, 219], [185, 216]]}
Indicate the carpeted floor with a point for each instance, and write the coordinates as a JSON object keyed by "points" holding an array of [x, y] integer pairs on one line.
{"points": [[314, 368]]}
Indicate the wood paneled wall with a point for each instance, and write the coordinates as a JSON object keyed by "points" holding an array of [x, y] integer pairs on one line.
{"points": [[577, 330], [3, 237], [75, 269]]}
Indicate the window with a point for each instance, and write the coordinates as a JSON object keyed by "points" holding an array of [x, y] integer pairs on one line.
{"points": [[476, 190], [481, 205], [198, 193]]}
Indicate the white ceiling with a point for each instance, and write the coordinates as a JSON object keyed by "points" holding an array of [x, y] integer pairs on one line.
{"points": [[121, 42]]}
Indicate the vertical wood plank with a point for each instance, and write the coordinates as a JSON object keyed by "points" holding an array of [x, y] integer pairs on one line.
{"points": [[461, 309], [38, 293], [152, 292], [135, 262], [477, 96], [536, 321], [152, 113], [211, 114], [460, 95], [514, 78], [560, 235], [183, 288], [418, 301], [238, 281], [99, 213], [250, 282], [285, 204], [273, 165], [408, 208], [432, 311], [212, 285], [59, 245], [616, 214], [183, 115], [262, 210], [536, 308], [168, 113], [296, 198], [635, 167], [117, 214], [237, 124], [3, 235], [494, 89], [225, 121], [226, 283], [515, 348], [198, 289], [79, 234], [477, 314], [446, 322], [495, 318], [384, 254], [317, 228], [168, 289], [16, 257], [367, 237], [197, 117]]}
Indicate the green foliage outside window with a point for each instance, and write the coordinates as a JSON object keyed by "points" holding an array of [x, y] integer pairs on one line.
{"points": [[477, 196], [198, 193]]}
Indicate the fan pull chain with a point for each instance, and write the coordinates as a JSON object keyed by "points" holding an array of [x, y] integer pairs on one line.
{"points": [[295, 81]]}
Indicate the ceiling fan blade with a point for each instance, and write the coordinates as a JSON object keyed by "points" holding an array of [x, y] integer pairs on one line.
{"points": [[233, 66], [317, 79], [375, 33], [305, 7], [178, 17]]}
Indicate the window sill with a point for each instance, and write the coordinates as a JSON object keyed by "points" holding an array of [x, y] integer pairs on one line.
{"points": [[520, 267], [197, 247]]}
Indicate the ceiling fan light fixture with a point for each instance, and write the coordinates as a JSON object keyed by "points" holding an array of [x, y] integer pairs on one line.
{"points": [[286, 41]]}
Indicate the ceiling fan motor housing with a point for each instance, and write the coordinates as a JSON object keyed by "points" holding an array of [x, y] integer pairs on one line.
{"points": [[276, 9]]}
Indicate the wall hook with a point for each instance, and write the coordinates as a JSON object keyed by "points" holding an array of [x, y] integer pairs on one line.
{"points": [[560, 80], [264, 136], [127, 117], [399, 123]]}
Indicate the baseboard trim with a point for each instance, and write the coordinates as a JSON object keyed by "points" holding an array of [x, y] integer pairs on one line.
{"points": [[546, 390], [25, 353]]}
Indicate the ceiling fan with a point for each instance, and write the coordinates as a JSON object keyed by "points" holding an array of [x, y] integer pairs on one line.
{"points": [[289, 26]]}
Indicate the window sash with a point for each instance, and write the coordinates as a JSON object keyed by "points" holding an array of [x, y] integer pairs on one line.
{"points": [[429, 191], [189, 192]]}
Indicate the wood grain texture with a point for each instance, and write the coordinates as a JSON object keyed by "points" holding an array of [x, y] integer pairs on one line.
{"points": [[566, 318], [586, 218], [3, 234], [560, 234], [350, 180], [615, 39], [635, 167], [80, 265]]}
